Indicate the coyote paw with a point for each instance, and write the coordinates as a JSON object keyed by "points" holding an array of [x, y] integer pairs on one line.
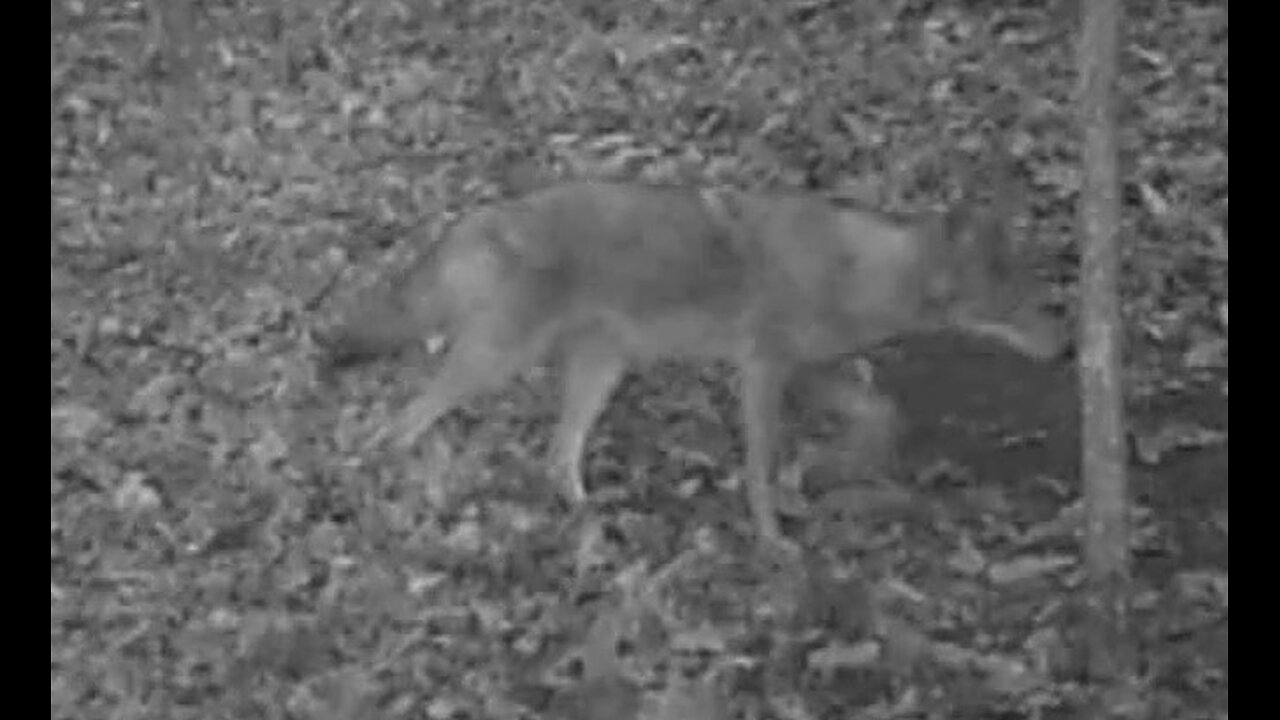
{"points": [[569, 492], [565, 480], [573, 492], [773, 544]]}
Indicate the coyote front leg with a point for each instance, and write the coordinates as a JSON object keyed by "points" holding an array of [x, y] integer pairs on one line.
{"points": [[763, 382], [590, 370]]}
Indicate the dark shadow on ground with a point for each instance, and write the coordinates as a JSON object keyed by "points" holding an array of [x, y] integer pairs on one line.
{"points": [[961, 398]]}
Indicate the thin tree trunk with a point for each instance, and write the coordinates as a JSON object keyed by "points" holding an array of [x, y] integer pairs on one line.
{"points": [[1102, 396]]}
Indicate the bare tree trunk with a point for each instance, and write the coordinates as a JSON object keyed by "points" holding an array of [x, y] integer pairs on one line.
{"points": [[1102, 397]]}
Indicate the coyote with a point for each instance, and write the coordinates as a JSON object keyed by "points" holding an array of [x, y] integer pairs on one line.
{"points": [[604, 276]]}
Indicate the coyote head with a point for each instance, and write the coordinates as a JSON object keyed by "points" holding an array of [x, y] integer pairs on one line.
{"points": [[983, 286]]}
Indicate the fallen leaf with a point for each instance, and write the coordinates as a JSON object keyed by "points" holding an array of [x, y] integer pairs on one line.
{"points": [[1027, 567], [905, 646], [155, 399], [968, 559], [269, 448], [135, 494], [75, 422], [1151, 447], [703, 638], [1157, 205], [835, 657], [1207, 353], [600, 698], [1010, 677], [690, 700], [1207, 586]]}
